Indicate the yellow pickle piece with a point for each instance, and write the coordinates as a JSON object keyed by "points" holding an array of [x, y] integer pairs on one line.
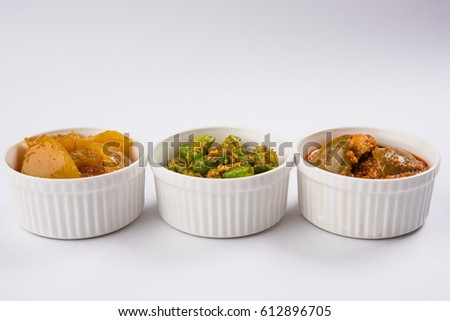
{"points": [[74, 155], [47, 158]]}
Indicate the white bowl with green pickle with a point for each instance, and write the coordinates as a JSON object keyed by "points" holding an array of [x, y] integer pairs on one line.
{"points": [[211, 184], [372, 186]]}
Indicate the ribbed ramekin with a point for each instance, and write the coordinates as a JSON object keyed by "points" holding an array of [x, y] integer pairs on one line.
{"points": [[80, 207], [366, 208], [221, 208]]}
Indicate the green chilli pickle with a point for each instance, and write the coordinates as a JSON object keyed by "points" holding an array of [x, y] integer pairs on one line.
{"points": [[229, 159]]}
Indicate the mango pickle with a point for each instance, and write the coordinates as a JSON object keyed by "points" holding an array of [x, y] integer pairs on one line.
{"points": [[48, 158], [74, 155], [229, 159]]}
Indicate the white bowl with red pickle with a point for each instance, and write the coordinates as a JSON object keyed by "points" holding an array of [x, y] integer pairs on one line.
{"points": [[367, 208]]}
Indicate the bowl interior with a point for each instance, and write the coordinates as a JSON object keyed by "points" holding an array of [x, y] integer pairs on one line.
{"points": [[168, 148]]}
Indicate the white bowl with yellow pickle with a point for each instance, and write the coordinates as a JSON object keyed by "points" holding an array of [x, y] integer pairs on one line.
{"points": [[76, 183], [239, 194], [364, 182]]}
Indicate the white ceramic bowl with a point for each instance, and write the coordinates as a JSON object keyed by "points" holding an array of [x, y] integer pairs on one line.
{"points": [[366, 208], [222, 208], [76, 208]]}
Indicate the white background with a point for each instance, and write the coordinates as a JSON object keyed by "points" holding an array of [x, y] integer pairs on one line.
{"points": [[154, 68]]}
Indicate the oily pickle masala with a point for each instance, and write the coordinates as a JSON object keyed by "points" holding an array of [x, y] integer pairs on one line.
{"points": [[359, 155]]}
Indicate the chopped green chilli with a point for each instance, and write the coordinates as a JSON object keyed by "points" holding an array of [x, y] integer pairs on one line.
{"points": [[204, 157]]}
